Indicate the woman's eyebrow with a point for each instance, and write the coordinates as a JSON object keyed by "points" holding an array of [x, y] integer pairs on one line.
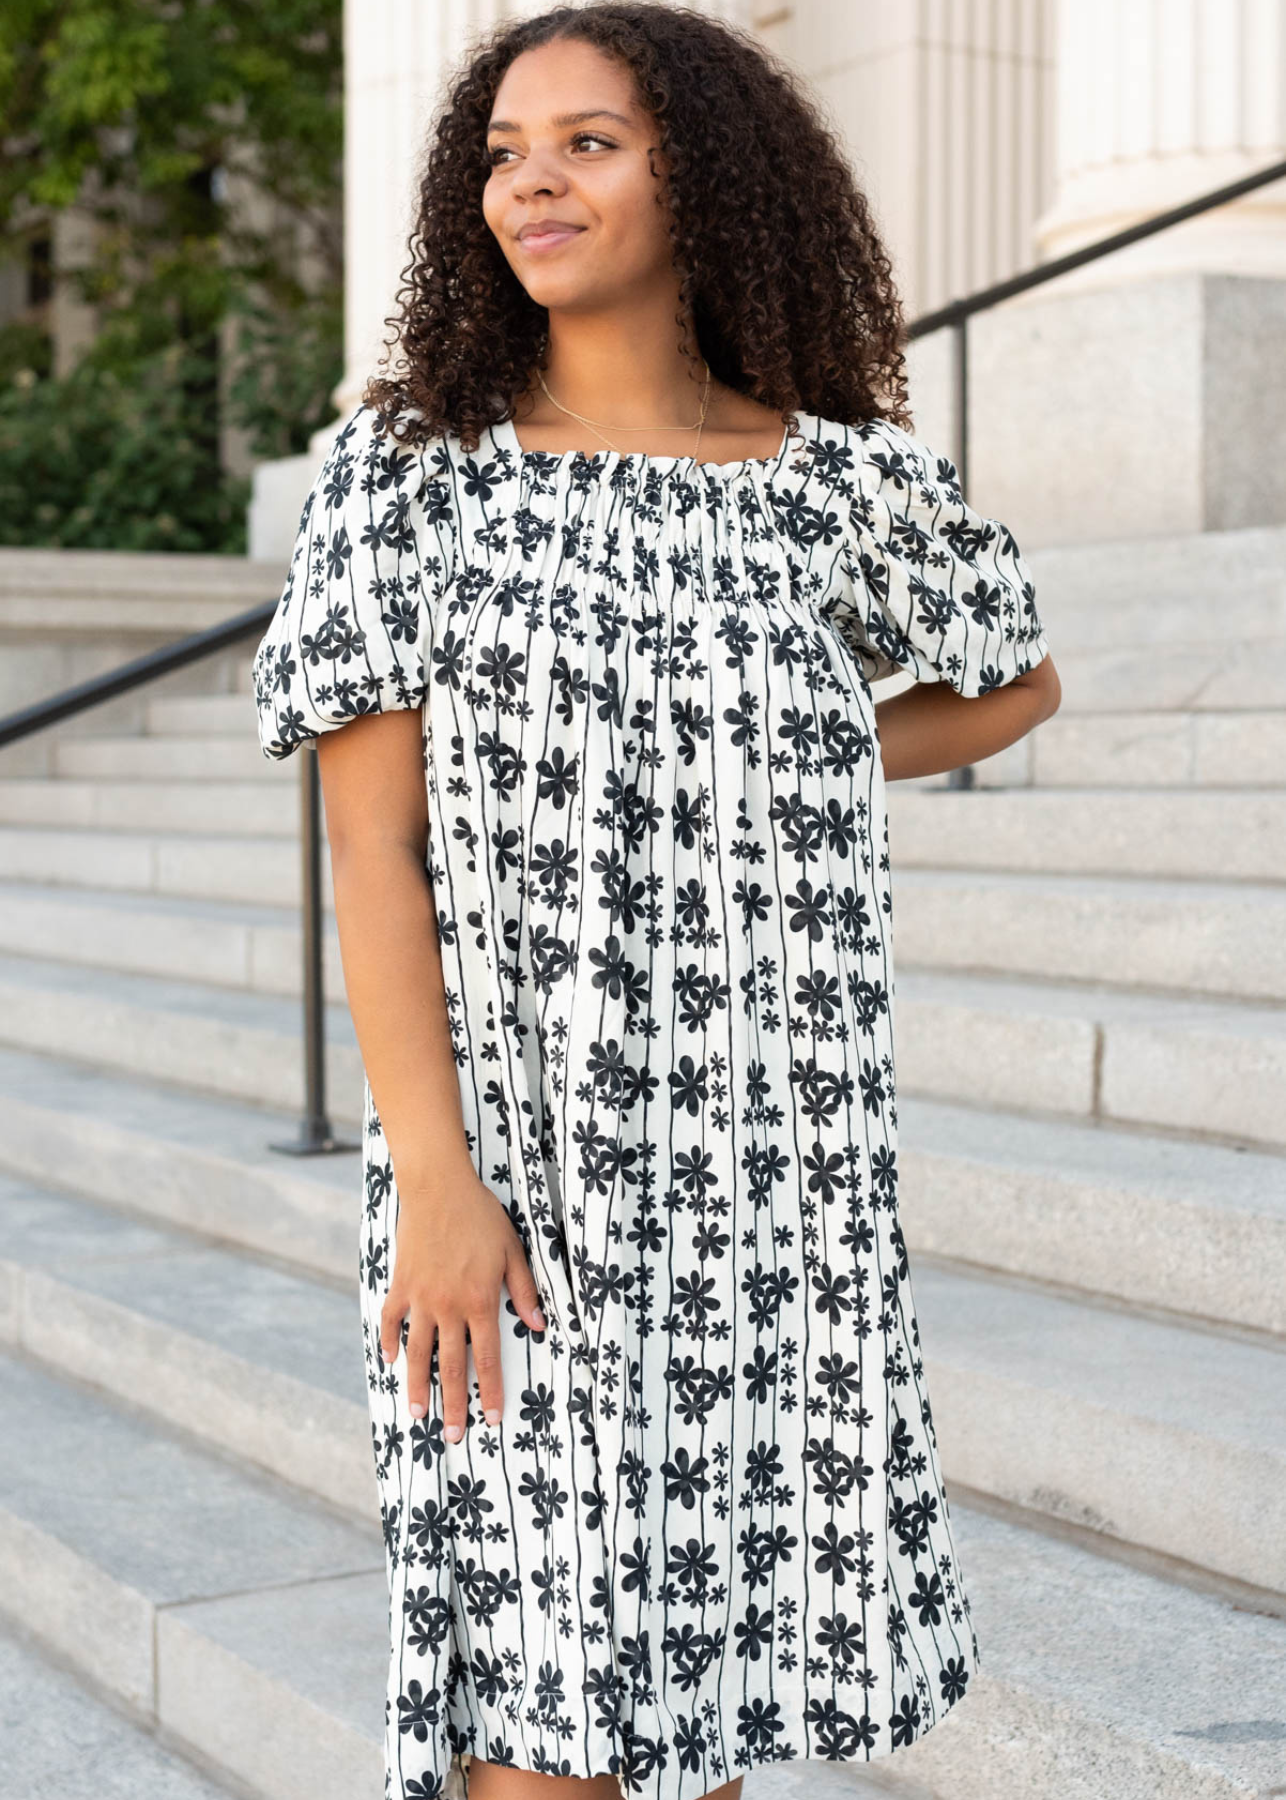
{"points": [[574, 118]]}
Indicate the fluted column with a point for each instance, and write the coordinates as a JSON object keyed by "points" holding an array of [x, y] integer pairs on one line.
{"points": [[1157, 102], [945, 107]]}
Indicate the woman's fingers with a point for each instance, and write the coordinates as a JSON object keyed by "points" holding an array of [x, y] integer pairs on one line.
{"points": [[471, 1316], [419, 1352], [522, 1286], [484, 1336], [452, 1372], [391, 1317]]}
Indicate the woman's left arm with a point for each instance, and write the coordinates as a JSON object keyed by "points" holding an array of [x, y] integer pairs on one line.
{"points": [[931, 728], [932, 587]]}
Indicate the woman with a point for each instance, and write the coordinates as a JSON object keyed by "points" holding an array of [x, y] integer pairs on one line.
{"points": [[596, 584]]}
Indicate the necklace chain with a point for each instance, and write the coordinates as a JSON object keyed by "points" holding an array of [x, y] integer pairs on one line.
{"points": [[594, 424]]}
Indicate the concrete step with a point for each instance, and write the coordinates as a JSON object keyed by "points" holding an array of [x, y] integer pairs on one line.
{"points": [[250, 808], [1132, 749], [214, 1040], [253, 870], [1224, 675], [1195, 1231], [1165, 1436], [1222, 939], [1215, 835], [1201, 587], [161, 759], [1159, 749], [259, 1358], [202, 716], [226, 943], [1077, 1694], [239, 1616], [181, 1159], [60, 1739], [1204, 1068], [178, 590]]}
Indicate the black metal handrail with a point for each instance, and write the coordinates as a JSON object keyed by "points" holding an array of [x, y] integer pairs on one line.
{"points": [[957, 313], [135, 673], [1040, 273], [315, 1134], [955, 316]]}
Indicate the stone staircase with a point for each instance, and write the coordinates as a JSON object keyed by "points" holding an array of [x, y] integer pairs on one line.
{"points": [[1091, 1020]]}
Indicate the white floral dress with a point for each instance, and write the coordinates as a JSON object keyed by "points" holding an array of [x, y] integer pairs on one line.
{"points": [[710, 1530]]}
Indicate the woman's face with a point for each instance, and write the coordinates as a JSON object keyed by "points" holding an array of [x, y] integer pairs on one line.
{"points": [[569, 142]]}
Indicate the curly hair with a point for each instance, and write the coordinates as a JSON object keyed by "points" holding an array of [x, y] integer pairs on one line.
{"points": [[781, 269]]}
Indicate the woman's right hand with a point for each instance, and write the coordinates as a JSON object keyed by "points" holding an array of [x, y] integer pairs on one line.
{"points": [[456, 1244]]}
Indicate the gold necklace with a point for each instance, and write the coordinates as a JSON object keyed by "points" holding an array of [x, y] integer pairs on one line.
{"points": [[593, 424]]}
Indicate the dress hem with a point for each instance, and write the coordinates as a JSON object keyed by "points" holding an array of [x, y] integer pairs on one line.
{"points": [[455, 1784]]}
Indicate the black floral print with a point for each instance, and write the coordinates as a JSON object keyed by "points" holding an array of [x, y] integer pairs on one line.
{"points": [[710, 1530]]}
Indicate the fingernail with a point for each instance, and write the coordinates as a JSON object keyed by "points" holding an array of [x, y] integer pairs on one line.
{"points": [[493, 1415], [540, 1319], [455, 1432], [417, 1409]]}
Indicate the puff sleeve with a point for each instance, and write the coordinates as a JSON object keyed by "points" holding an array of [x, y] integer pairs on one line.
{"points": [[928, 584], [352, 631]]}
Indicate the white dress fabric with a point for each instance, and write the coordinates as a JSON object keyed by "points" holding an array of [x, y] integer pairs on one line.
{"points": [[710, 1530]]}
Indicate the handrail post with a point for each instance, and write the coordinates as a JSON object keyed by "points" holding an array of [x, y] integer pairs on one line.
{"points": [[315, 1134], [963, 776], [960, 398]]}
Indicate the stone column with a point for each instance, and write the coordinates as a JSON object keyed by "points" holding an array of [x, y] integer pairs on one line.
{"points": [[944, 107], [1159, 101], [396, 58], [1136, 397]]}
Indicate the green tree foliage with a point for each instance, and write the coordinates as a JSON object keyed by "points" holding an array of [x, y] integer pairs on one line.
{"points": [[147, 116]]}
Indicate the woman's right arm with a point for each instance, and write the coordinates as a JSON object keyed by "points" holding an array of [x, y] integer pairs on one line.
{"points": [[455, 1241]]}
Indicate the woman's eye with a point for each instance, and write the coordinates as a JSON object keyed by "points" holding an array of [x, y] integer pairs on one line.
{"points": [[582, 137]]}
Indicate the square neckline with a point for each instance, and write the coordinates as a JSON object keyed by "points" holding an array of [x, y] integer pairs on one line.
{"points": [[504, 431]]}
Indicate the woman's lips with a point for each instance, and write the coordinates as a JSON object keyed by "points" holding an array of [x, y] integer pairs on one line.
{"points": [[549, 240]]}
